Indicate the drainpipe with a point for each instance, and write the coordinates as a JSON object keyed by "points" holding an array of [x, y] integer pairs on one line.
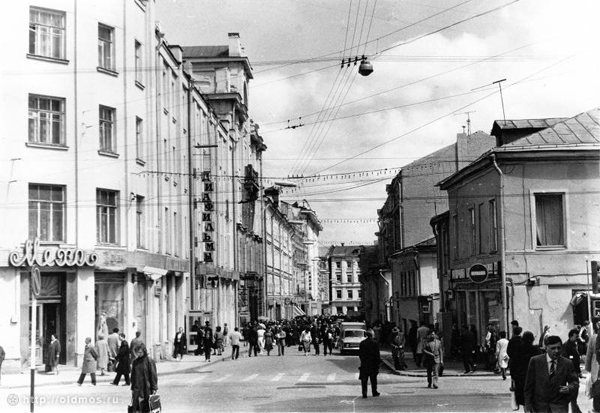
{"points": [[502, 245], [191, 195]]}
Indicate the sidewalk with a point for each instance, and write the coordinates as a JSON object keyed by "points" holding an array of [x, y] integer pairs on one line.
{"points": [[69, 375], [452, 367]]}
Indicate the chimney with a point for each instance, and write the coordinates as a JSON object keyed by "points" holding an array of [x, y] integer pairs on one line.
{"points": [[235, 46]]}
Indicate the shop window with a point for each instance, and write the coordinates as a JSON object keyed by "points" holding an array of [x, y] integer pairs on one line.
{"points": [[549, 218]]}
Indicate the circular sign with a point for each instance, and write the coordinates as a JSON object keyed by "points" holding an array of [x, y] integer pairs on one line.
{"points": [[36, 280], [478, 273]]}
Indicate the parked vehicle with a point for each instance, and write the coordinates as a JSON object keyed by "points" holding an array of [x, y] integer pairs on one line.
{"points": [[350, 340]]}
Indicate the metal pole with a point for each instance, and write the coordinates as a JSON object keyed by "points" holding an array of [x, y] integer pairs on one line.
{"points": [[32, 357], [590, 292], [501, 97]]}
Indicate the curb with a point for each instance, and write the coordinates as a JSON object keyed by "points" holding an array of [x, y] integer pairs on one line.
{"points": [[423, 373]]}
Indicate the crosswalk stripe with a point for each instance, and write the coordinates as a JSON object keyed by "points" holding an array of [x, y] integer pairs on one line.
{"points": [[278, 377], [304, 377], [199, 378], [356, 376], [252, 377], [225, 377], [331, 377]]}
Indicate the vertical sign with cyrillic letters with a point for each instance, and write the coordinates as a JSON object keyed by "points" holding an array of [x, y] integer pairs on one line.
{"points": [[207, 217]]}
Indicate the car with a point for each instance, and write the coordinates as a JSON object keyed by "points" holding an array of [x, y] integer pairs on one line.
{"points": [[350, 340]]}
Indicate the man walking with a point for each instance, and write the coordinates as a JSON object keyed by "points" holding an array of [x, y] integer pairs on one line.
{"points": [[466, 349], [433, 359], [551, 380], [370, 359], [235, 343]]}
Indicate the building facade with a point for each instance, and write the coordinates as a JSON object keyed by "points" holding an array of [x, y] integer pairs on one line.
{"points": [[345, 290], [520, 227]]}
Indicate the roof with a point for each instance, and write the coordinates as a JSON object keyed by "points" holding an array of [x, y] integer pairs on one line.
{"points": [[346, 250], [205, 51], [525, 124], [581, 129]]}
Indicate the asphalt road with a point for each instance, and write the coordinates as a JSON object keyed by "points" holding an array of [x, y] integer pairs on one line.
{"points": [[292, 383]]}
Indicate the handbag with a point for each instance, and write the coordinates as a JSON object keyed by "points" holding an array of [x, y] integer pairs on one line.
{"points": [[154, 404]]}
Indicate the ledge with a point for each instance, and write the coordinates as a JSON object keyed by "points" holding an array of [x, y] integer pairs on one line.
{"points": [[50, 146], [109, 154], [48, 59], [107, 71]]}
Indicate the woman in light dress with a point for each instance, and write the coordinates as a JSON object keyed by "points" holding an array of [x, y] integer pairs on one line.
{"points": [[501, 354]]}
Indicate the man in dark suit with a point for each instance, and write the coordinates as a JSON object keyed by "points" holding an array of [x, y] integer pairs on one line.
{"points": [[466, 349], [370, 359], [551, 381]]}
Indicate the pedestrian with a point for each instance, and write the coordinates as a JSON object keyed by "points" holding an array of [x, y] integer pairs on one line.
{"points": [[199, 341], [570, 351], [584, 338], [551, 380], [260, 331], [422, 333], [455, 342], [281, 342], [268, 341], [305, 340], [102, 349], [490, 348], [218, 342], [179, 344], [466, 349], [520, 350], [225, 335], [513, 325], [113, 348], [370, 359], [501, 354], [208, 341], [328, 341], [53, 355], [314, 334], [543, 336], [144, 380], [475, 351], [245, 331], [123, 367], [397, 340], [591, 362], [433, 358], [235, 343], [252, 342], [90, 365], [135, 343], [2, 356]]}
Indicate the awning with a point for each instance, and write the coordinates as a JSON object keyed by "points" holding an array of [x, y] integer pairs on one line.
{"points": [[298, 311]]}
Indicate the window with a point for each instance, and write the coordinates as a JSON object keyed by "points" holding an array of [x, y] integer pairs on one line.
{"points": [[139, 139], [473, 233], [168, 235], [139, 67], [338, 264], [107, 224], [47, 33], [107, 129], [140, 223], [350, 294], [106, 48], [359, 294], [47, 212], [338, 294], [493, 222], [549, 220], [46, 120]]}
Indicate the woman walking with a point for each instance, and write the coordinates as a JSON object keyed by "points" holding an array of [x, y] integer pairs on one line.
{"points": [[90, 355], [53, 355], [218, 341], [305, 340], [144, 380], [501, 354], [268, 341], [102, 348], [179, 344], [208, 341]]}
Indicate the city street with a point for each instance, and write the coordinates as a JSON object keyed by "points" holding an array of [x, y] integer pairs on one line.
{"points": [[290, 383]]}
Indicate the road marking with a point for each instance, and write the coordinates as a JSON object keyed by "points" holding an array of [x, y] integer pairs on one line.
{"points": [[225, 377], [198, 379], [304, 377], [331, 377], [252, 377], [278, 377], [356, 376]]}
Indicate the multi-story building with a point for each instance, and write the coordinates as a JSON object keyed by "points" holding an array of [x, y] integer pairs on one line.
{"points": [[521, 226], [232, 253], [344, 283], [404, 236]]}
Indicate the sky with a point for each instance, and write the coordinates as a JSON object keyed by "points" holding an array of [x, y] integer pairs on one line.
{"points": [[341, 137]]}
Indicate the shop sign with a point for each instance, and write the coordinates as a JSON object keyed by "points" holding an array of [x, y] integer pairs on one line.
{"points": [[478, 273], [207, 217], [62, 257], [459, 274]]}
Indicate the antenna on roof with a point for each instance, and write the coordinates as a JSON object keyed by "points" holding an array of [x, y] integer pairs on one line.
{"points": [[501, 98], [468, 120]]}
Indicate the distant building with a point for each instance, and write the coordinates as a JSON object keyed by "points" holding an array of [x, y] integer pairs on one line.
{"points": [[345, 288]]}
